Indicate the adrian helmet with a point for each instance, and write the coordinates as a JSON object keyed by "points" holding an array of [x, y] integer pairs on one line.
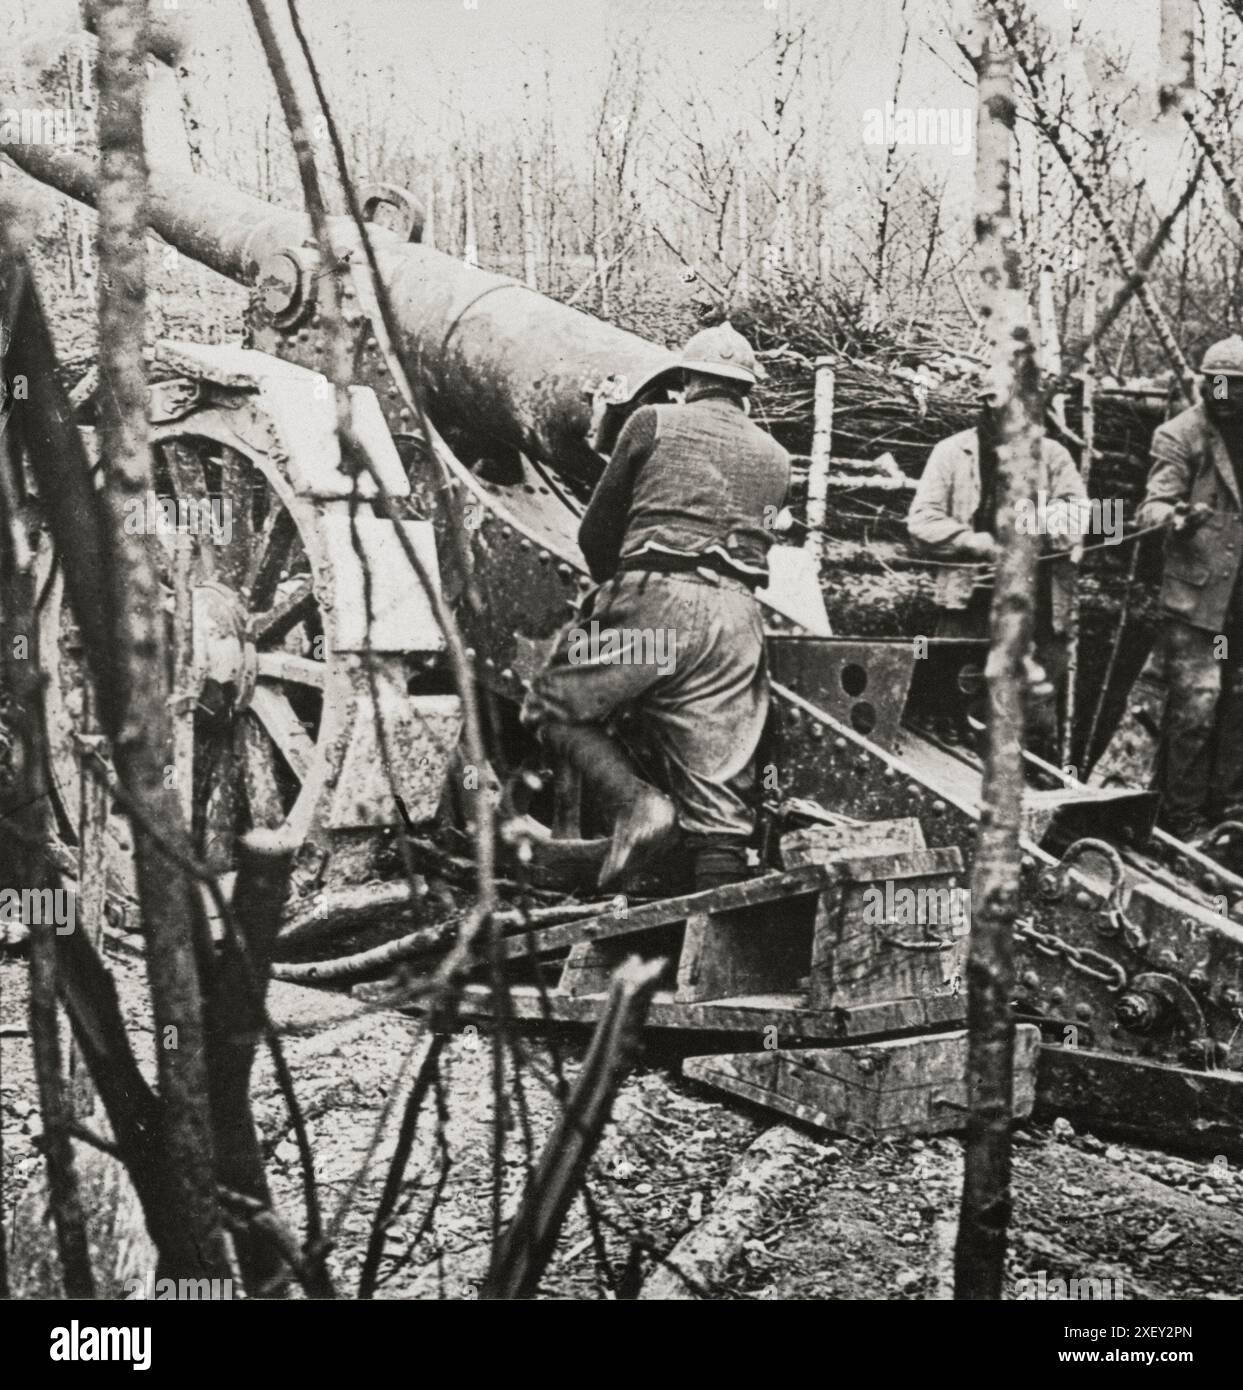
{"points": [[722, 351]]}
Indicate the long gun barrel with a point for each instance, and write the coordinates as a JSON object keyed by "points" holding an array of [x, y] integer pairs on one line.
{"points": [[495, 356]]}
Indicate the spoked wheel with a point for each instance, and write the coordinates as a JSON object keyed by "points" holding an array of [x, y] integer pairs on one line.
{"points": [[266, 691], [260, 677], [304, 656]]}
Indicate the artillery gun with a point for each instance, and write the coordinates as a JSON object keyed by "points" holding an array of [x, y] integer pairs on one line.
{"points": [[1130, 957]]}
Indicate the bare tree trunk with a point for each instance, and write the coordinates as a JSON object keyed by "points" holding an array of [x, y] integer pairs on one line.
{"points": [[526, 196], [1085, 468], [1177, 82], [876, 293], [191, 1239], [803, 243], [602, 276], [19, 663], [429, 212], [1090, 192], [470, 248], [774, 248], [985, 1215], [824, 263], [451, 222], [744, 239]]}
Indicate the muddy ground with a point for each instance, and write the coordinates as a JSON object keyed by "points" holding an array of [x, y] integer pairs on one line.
{"points": [[836, 1218]]}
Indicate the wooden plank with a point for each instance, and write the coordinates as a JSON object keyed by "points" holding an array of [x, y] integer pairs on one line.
{"points": [[670, 911], [905, 1086], [770, 1019], [866, 949], [1148, 1102]]}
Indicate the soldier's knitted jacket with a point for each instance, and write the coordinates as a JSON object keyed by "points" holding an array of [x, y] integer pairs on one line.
{"points": [[694, 479]]}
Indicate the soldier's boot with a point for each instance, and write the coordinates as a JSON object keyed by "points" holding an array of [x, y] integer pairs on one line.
{"points": [[1039, 710], [717, 860], [643, 817]]}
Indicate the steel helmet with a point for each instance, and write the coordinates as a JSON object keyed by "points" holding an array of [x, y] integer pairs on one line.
{"points": [[722, 351], [1224, 358]]}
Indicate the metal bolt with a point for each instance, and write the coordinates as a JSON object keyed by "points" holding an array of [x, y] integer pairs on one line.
{"points": [[938, 808], [1083, 899]]}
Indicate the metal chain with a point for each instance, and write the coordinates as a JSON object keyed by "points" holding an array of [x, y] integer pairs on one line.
{"points": [[1055, 882], [1080, 958]]}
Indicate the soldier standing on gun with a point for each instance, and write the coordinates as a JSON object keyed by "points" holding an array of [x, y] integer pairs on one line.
{"points": [[953, 517], [1194, 488], [676, 536]]}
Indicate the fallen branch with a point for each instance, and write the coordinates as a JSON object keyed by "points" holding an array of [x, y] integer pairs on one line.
{"points": [[521, 1255], [422, 942]]}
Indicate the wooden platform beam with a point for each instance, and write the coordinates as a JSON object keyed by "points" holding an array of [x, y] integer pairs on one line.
{"points": [[907, 1086]]}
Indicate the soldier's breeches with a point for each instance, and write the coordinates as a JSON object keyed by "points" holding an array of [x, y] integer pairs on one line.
{"points": [[1201, 767], [686, 656]]}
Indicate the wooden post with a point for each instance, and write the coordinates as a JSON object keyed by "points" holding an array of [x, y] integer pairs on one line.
{"points": [[985, 1214], [821, 449]]}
